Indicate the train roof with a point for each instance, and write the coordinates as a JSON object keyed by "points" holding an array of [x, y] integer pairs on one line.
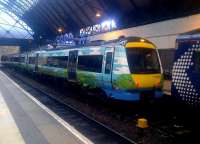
{"points": [[194, 34], [94, 44], [120, 41]]}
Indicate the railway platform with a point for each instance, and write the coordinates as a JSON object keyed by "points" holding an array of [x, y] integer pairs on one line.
{"points": [[23, 119], [30, 116]]}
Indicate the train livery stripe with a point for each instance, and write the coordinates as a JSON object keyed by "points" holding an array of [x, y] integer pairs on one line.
{"points": [[147, 80], [139, 45]]}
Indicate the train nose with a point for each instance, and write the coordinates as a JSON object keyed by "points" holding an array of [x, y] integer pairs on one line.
{"points": [[147, 80]]}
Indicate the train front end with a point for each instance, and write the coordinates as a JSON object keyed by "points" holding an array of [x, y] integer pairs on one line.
{"points": [[145, 68]]}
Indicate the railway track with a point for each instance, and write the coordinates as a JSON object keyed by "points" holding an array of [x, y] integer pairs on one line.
{"points": [[94, 130], [162, 130]]}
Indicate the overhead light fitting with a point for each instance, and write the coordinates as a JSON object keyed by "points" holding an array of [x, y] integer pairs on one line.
{"points": [[60, 29], [98, 15]]}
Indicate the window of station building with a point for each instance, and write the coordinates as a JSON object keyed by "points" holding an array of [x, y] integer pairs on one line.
{"points": [[31, 60], [197, 62], [58, 61], [92, 63]]}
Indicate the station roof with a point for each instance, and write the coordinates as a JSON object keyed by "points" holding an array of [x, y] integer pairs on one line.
{"points": [[12, 27], [46, 16]]}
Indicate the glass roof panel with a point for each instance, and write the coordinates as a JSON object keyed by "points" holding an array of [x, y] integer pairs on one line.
{"points": [[6, 19], [11, 26], [20, 6]]}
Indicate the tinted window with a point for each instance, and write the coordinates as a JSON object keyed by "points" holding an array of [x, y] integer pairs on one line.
{"points": [[42, 60], [92, 63], [4, 58], [31, 60], [143, 60], [59, 61], [22, 59], [16, 59], [108, 63], [197, 62]]}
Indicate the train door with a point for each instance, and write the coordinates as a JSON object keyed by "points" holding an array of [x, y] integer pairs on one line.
{"points": [[72, 65], [107, 72], [36, 62]]}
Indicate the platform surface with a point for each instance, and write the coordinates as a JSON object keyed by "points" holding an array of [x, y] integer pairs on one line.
{"points": [[24, 121]]}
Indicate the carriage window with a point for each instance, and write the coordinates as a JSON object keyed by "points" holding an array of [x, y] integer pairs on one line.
{"points": [[4, 58], [59, 61], [108, 65], [42, 60], [11, 59], [16, 59], [197, 62], [92, 63], [31, 60], [22, 59]]}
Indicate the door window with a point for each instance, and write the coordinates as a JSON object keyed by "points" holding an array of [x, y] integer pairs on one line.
{"points": [[108, 65]]}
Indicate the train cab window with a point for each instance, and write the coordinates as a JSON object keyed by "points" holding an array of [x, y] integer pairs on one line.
{"points": [[108, 65], [58, 61], [91, 63], [143, 60], [197, 62]]}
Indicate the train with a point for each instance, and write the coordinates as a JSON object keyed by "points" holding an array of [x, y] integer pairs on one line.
{"points": [[127, 69], [186, 69]]}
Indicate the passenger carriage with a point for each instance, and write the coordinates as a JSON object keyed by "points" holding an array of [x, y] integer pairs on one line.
{"points": [[128, 69]]}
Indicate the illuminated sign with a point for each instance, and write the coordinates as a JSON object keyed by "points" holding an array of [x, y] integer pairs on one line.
{"points": [[98, 28], [66, 39]]}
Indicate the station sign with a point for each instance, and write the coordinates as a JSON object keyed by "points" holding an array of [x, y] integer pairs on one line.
{"points": [[66, 39], [105, 26]]}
